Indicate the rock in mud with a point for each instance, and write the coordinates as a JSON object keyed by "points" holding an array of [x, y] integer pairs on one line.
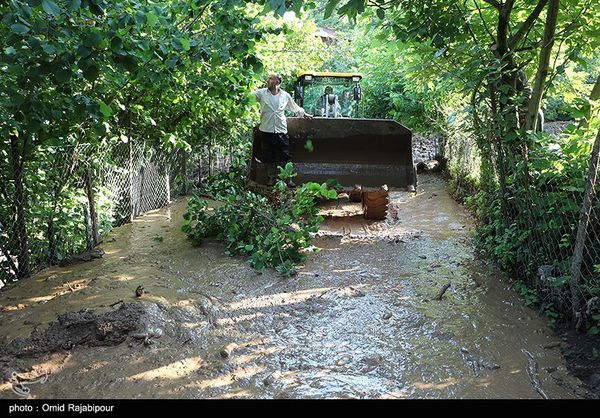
{"points": [[430, 166], [209, 310], [269, 380]]}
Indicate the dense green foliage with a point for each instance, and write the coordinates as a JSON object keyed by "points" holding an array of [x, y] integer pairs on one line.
{"points": [[94, 74], [273, 231], [479, 71]]}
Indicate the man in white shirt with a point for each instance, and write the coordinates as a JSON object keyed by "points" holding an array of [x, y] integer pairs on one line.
{"points": [[273, 125]]}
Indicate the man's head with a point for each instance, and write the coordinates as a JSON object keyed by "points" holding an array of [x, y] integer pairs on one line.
{"points": [[273, 81]]}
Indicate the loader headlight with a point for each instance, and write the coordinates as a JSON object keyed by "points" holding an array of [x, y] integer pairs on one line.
{"points": [[308, 77], [355, 78]]}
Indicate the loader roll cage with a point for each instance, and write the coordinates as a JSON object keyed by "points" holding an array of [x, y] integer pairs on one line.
{"points": [[327, 94]]}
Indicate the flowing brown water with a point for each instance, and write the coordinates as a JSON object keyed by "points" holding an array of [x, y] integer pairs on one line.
{"points": [[359, 320]]}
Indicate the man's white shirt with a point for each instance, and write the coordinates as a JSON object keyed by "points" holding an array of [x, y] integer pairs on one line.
{"points": [[272, 110]]}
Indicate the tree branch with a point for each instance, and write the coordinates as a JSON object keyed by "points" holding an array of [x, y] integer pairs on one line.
{"points": [[503, 21], [468, 25], [484, 23], [544, 60], [527, 24], [189, 25]]}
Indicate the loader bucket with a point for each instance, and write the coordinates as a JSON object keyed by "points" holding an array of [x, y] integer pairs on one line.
{"points": [[369, 152]]}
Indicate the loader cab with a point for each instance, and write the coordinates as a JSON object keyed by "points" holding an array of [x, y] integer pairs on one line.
{"points": [[326, 94]]}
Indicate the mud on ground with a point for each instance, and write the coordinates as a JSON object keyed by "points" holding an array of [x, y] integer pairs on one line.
{"points": [[360, 319]]}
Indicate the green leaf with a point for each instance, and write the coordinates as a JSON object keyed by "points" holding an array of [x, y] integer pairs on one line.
{"points": [[91, 73], [329, 8], [83, 51], [105, 109], [51, 8], [185, 44], [151, 18], [19, 28], [75, 5], [116, 43], [92, 40], [10, 50], [62, 75], [381, 14], [49, 49], [140, 18]]}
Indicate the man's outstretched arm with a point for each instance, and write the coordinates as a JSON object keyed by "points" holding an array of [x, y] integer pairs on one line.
{"points": [[298, 111]]}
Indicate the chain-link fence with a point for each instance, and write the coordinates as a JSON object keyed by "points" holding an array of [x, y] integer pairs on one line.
{"points": [[137, 178], [65, 198], [541, 219]]}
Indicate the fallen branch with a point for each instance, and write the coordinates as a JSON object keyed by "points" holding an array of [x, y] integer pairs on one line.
{"points": [[116, 303], [532, 371], [442, 291]]}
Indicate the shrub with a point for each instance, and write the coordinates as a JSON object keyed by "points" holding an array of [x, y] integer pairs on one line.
{"points": [[273, 231]]}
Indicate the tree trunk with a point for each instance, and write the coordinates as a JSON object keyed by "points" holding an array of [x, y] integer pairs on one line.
{"points": [[209, 157], [89, 188], [167, 185], [595, 95], [184, 170], [17, 168], [89, 240], [543, 65], [576, 294], [51, 234]]}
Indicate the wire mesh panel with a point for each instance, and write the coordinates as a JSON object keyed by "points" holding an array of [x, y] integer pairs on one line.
{"points": [[137, 177], [531, 209], [71, 194]]}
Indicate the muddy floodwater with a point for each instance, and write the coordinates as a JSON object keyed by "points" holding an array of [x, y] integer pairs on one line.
{"points": [[359, 320]]}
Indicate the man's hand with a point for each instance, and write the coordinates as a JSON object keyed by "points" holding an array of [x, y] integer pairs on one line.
{"points": [[307, 116]]}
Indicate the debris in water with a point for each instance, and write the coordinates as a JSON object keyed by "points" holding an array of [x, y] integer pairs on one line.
{"points": [[80, 328], [79, 258], [269, 380], [532, 371], [115, 303], [551, 345], [228, 349], [139, 291], [442, 291]]}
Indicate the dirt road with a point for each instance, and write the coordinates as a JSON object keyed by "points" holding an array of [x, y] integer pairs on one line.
{"points": [[360, 320]]}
